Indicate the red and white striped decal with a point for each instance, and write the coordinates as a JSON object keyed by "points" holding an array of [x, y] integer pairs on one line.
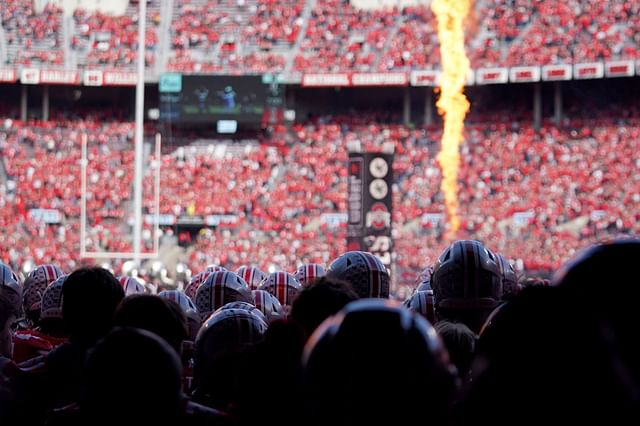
{"points": [[281, 287], [218, 290]]}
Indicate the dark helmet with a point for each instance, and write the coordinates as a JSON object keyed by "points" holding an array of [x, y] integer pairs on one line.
{"points": [[422, 303], [365, 272], [372, 351], [467, 276], [509, 277]]}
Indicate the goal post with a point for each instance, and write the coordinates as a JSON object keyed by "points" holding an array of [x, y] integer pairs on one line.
{"points": [[83, 210]]}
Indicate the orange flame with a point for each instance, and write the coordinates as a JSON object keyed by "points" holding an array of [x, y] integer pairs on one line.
{"points": [[452, 103]]}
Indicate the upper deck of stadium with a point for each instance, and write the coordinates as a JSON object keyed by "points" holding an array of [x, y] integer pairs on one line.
{"points": [[298, 37]]}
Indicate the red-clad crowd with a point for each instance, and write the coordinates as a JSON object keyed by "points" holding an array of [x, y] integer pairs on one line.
{"points": [[33, 38], [113, 40], [217, 36], [42, 161], [536, 196], [255, 36]]}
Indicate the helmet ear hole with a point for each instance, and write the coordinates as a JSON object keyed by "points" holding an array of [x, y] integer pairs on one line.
{"points": [[447, 255]]}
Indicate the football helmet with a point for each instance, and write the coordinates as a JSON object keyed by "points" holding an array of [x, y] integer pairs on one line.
{"points": [[308, 272], [284, 286], [219, 289], [252, 275], [467, 276], [36, 283], [364, 271]]}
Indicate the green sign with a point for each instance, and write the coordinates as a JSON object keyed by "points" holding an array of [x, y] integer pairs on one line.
{"points": [[170, 83]]}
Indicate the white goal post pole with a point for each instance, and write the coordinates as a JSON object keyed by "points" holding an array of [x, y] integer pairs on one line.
{"points": [[83, 196], [158, 164], [139, 142]]}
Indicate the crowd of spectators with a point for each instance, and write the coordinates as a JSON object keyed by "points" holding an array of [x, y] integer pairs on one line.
{"points": [[554, 189], [215, 36], [32, 38], [255, 36], [112, 41], [42, 163]]}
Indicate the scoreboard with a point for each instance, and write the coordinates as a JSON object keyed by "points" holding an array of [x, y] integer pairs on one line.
{"points": [[369, 204], [226, 102]]}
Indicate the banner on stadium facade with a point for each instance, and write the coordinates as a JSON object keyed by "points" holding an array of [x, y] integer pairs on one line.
{"points": [[48, 76], [119, 78], [379, 79], [333, 220], [523, 218], [221, 220], [432, 220], [8, 75], [163, 219], [325, 80], [355, 79], [49, 216], [492, 75], [587, 71], [92, 78], [429, 78], [557, 72], [524, 74], [369, 204], [30, 76], [619, 69]]}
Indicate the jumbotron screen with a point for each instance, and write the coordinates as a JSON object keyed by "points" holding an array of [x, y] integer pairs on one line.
{"points": [[213, 98]]}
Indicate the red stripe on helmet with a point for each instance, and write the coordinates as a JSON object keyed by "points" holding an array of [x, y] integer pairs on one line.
{"points": [[374, 278]]}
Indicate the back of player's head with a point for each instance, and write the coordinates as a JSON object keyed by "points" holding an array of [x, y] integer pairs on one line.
{"points": [[89, 300]]}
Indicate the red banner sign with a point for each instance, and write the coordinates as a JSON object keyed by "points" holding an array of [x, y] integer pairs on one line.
{"points": [[8, 75], [524, 74], [326, 80], [619, 69], [586, 71], [492, 76], [59, 77], [119, 78], [556, 72]]}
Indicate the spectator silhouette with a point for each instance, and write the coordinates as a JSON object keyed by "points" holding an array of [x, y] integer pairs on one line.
{"points": [[319, 300], [160, 316], [133, 377], [90, 297], [539, 354]]}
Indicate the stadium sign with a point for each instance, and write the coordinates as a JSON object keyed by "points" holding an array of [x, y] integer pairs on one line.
{"points": [[355, 79], [59, 77], [587, 71], [556, 72], [524, 74], [92, 78], [221, 220], [163, 219], [492, 76], [379, 79], [30, 76], [325, 80], [8, 75], [370, 204], [45, 215], [333, 220], [119, 78], [432, 220], [429, 78], [619, 69]]}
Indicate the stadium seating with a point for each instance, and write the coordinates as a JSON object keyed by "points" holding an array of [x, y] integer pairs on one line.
{"points": [[32, 38], [257, 36]]}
